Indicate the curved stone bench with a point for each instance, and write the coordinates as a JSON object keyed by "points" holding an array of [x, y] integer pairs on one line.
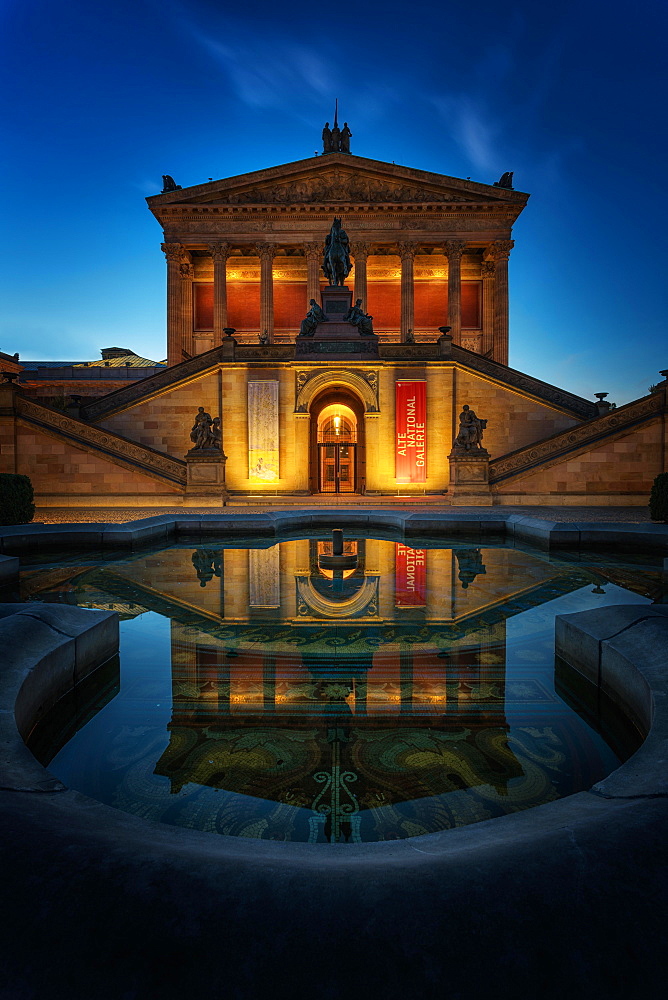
{"points": [[569, 896]]}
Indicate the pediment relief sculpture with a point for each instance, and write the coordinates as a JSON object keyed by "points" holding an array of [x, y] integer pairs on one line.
{"points": [[339, 186]]}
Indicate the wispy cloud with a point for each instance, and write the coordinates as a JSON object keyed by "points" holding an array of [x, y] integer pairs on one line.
{"points": [[263, 74]]}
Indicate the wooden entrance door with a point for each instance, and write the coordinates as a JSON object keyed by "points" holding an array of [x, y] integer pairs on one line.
{"points": [[336, 464]]}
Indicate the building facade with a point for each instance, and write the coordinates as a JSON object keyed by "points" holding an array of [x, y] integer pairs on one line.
{"points": [[378, 417]]}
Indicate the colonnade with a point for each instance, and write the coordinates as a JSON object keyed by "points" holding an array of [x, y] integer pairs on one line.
{"points": [[494, 274]]}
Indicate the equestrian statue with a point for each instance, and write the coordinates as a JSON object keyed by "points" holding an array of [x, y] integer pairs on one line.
{"points": [[336, 261]]}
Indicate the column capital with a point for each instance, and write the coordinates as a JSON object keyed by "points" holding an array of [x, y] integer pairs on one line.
{"points": [[173, 251], [500, 249], [220, 251], [313, 251], [265, 251], [488, 269], [454, 249], [359, 249], [187, 270], [407, 251]]}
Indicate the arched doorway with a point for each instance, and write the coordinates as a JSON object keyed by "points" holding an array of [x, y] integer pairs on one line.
{"points": [[337, 443]]}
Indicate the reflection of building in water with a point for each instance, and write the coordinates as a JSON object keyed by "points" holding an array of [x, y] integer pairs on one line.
{"points": [[404, 722], [340, 685], [361, 703]]}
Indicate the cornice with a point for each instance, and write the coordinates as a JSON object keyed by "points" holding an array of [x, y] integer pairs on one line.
{"points": [[346, 164], [555, 449]]}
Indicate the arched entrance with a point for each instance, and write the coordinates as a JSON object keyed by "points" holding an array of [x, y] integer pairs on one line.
{"points": [[337, 442]]}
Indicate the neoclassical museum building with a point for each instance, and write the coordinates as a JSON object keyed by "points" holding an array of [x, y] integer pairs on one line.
{"points": [[330, 410]]}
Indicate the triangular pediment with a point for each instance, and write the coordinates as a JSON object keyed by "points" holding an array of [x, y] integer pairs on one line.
{"points": [[338, 178]]}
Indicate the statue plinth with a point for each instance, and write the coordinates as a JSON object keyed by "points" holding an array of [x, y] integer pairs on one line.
{"points": [[469, 478], [205, 474], [336, 339]]}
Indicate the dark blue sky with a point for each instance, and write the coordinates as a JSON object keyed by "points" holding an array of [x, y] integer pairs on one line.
{"points": [[100, 101]]}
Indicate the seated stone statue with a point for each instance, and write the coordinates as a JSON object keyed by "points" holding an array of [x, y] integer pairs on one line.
{"points": [[360, 319], [314, 316], [471, 427]]}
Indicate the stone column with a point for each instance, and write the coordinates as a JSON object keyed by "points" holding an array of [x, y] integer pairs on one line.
{"points": [[360, 253], [301, 457], [187, 323], [220, 252], [313, 254], [407, 255], [487, 271], [373, 452], [501, 252], [265, 252], [454, 249], [174, 252]]}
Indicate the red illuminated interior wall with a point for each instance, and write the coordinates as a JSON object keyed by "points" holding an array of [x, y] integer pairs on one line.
{"points": [[289, 305], [203, 305], [243, 305], [431, 304], [384, 304], [471, 311]]}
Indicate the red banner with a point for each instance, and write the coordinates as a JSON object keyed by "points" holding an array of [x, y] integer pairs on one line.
{"points": [[410, 577], [411, 432]]}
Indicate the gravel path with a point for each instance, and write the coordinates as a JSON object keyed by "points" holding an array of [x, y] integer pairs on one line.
{"points": [[117, 515]]}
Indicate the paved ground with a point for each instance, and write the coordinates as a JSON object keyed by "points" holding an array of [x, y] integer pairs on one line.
{"points": [[116, 515]]}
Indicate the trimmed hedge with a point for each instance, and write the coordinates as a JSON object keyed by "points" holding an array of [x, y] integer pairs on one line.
{"points": [[658, 498], [16, 499]]}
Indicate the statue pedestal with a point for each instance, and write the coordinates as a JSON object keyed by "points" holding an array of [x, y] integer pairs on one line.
{"points": [[336, 302], [469, 478], [205, 477], [335, 339]]}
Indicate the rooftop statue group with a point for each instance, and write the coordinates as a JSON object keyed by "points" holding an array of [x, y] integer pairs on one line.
{"points": [[206, 434], [335, 139]]}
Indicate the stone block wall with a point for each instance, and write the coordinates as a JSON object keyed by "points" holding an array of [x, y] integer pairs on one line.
{"points": [[513, 420], [59, 467], [164, 422], [613, 471]]}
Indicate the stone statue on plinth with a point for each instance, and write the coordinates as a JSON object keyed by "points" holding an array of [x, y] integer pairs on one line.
{"points": [[471, 428], [345, 138], [314, 316], [206, 433], [357, 317], [327, 139], [336, 258]]}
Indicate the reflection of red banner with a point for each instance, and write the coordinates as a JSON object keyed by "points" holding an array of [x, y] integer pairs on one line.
{"points": [[410, 577], [411, 432]]}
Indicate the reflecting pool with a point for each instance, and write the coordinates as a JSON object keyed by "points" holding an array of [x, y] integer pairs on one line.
{"points": [[263, 693]]}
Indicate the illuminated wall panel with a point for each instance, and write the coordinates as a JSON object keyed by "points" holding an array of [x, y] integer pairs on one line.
{"points": [[289, 305], [243, 305], [263, 432], [431, 304], [471, 312], [203, 305], [384, 304]]}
